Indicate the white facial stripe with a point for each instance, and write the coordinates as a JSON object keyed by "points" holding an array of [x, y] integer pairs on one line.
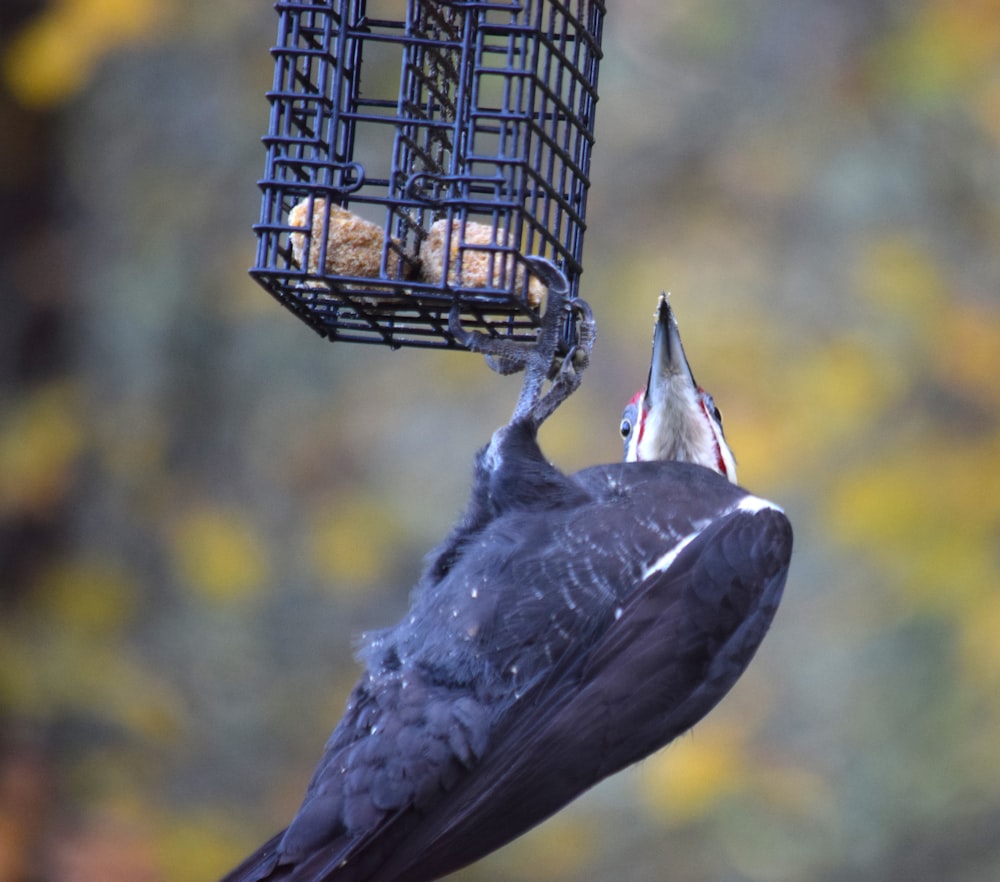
{"points": [[725, 454]]}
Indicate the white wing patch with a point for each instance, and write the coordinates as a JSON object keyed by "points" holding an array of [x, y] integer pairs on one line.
{"points": [[664, 563], [754, 504], [747, 505]]}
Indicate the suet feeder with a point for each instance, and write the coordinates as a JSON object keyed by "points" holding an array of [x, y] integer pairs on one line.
{"points": [[417, 149]]}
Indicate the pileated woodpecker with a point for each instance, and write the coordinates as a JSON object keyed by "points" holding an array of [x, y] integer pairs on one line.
{"points": [[569, 626]]}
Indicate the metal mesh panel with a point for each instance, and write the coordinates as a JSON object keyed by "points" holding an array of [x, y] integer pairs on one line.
{"points": [[415, 151]]}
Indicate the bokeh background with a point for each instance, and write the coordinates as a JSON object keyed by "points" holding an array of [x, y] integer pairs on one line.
{"points": [[202, 502]]}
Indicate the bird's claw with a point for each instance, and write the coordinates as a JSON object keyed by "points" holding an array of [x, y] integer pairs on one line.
{"points": [[584, 329], [507, 356], [549, 275], [502, 355], [566, 371], [551, 357]]}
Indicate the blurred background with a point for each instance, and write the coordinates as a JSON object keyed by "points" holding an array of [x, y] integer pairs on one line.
{"points": [[202, 502]]}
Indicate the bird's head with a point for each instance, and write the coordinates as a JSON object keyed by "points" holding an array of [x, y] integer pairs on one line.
{"points": [[673, 418]]}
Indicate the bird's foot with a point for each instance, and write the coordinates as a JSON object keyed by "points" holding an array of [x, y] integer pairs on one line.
{"points": [[506, 356], [551, 358], [503, 355]]}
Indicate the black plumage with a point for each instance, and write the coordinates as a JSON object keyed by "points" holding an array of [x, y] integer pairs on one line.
{"points": [[568, 626]]}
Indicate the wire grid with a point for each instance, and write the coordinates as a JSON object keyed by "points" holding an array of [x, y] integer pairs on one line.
{"points": [[477, 116]]}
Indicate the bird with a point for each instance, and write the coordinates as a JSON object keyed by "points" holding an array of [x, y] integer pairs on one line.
{"points": [[567, 627]]}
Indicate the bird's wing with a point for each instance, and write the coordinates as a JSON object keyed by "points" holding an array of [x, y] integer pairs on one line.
{"points": [[422, 776], [678, 644]]}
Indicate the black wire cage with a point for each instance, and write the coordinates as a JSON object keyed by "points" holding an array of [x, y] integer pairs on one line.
{"points": [[417, 150]]}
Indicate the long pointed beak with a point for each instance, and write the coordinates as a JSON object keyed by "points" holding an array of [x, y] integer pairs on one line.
{"points": [[669, 361]]}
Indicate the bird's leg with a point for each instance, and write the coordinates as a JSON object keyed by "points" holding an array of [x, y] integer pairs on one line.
{"points": [[546, 360], [506, 452], [567, 374], [549, 358]]}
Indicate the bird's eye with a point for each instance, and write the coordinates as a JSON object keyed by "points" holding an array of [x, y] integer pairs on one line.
{"points": [[630, 419]]}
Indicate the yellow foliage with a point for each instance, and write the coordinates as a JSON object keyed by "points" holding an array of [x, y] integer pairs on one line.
{"points": [[980, 648], [54, 55], [948, 47], [838, 388], [349, 541], [88, 595], [967, 351], [40, 439], [46, 671], [897, 274], [201, 845], [218, 552], [819, 401], [684, 782], [936, 538]]}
